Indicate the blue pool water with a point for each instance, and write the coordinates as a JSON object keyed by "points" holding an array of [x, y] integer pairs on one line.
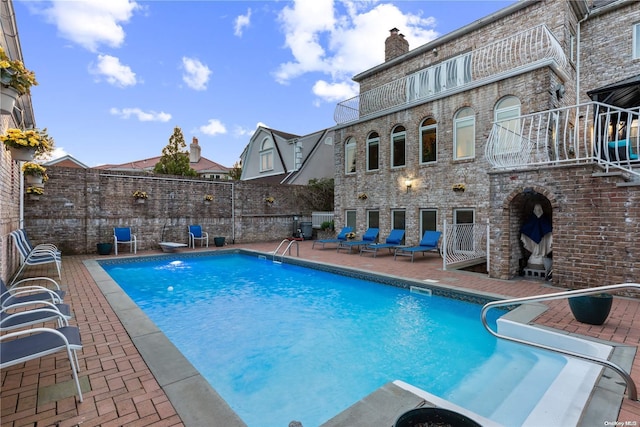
{"points": [[281, 342]]}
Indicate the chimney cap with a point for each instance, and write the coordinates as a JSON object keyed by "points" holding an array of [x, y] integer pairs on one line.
{"points": [[195, 140], [394, 30]]}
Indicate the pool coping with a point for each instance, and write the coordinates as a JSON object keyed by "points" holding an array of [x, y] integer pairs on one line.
{"points": [[197, 402]]}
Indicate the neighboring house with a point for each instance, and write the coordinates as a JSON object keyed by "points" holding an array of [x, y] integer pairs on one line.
{"points": [[67, 161], [472, 130], [279, 157], [206, 168]]}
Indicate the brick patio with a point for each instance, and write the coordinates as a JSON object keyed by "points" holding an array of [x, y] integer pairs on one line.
{"points": [[124, 392]]}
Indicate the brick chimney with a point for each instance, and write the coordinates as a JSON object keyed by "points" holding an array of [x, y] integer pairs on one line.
{"points": [[194, 151], [395, 45]]}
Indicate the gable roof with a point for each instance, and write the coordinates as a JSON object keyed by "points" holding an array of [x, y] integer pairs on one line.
{"points": [[203, 165], [67, 161]]}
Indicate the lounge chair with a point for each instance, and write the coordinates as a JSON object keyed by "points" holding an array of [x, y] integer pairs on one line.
{"points": [[342, 236], [370, 236], [49, 246], [196, 233], [393, 241], [29, 344], [28, 314], [37, 256], [123, 235], [428, 243], [21, 293]]}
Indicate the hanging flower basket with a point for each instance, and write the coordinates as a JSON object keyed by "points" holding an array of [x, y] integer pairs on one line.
{"points": [[25, 144], [140, 196], [34, 174], [34, 180], [8, 97], [34, 193]]}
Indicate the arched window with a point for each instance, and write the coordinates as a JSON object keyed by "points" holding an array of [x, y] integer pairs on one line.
{"points": [[464, 134], [398, 147], [350, 156], [373, 151], [428, 140], [507, 125], [266, 155]]}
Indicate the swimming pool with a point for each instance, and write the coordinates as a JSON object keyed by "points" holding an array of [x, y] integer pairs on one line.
{"points": [[366, 335]]}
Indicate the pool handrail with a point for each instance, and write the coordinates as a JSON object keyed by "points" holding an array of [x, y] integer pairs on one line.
{"points": [[287, 249], [632, 393]]}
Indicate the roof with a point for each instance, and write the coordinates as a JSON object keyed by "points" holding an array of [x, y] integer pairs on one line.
{"points": [[204, 165], [66, 161]]}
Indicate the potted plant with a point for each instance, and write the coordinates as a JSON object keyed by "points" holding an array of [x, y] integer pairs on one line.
{"points": [[459, 188], [26, 144], [15, 80], [591, 309], [34, 173], [208, 198], [270, 200], [34, 193], [218, 241], [140, 196]]}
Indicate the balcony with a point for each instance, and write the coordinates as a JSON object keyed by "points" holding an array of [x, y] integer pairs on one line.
{"points": [[587, 133], [521, 52]]}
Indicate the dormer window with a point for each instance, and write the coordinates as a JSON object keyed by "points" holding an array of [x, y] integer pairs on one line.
{"points": [[266, 155]]}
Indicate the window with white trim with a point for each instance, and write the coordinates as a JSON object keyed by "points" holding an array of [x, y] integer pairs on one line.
{"points": [[428, 220], [350, 219], [350, 156], [266, 155], [428, 140], [463, 229], [636, 41], [507, 125], [398, 219], [373, 151], [398, 147], [373, 219], [464, 134]]}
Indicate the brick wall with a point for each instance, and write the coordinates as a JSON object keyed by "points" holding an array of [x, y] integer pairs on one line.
{"points": [[595, 223], [80, 207]]}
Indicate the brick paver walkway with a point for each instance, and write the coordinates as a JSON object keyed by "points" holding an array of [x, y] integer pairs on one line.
{"points": [[124, 392]]}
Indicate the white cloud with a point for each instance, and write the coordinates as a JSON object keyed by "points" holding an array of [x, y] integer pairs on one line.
{"points": [[91, 23], [143, 116], [342, 43], [113, 71], [196, 74], [241, 22], [213, 127]]}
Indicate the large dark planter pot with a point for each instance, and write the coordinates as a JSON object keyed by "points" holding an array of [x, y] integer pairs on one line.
{"points": [[435, 417], [104, 248], [218, 241], [591, 309]]}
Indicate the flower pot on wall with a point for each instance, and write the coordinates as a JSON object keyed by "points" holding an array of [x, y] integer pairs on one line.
{"points": [[22, 154], [33, 179], [140, 201], [8, 97], [591, 309]]}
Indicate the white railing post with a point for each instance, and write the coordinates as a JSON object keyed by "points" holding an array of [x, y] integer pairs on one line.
{"points": [[445, 239]]}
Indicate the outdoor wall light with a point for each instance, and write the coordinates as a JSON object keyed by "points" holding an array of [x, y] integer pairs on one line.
{"points": [[408, 184]]}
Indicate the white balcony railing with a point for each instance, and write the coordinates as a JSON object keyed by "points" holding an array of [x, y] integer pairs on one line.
{"points": [[533, 47], [590, 132]]}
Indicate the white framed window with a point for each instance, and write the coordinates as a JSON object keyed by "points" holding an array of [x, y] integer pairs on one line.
{"points": [[428, 140], [266, 155], [373, 151], [428, 220], [398, 219], [464, 134], [636, 41], [373, 219], [398, 147], [350, 219], [506, 117], [350, 156]]}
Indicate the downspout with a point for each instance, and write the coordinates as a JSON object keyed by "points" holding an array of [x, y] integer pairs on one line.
{"points": [[586, 16]]}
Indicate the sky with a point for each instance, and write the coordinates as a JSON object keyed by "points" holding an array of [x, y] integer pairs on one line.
{"points": [[117, 76]]}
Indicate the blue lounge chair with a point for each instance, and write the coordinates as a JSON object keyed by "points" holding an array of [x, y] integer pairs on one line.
{"points": [[20, 293], [37, 256], [370, 236], [342, 236], [393, 241], [428, 243], [124, 235], [196, 233], [28, 344], [15, 316]]}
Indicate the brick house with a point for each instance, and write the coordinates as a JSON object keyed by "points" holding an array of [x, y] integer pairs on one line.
{"points": [[471, 131]]}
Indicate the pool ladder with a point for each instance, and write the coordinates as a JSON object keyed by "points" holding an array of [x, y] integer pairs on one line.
{"points": [[286, 250], [632, 393]]}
